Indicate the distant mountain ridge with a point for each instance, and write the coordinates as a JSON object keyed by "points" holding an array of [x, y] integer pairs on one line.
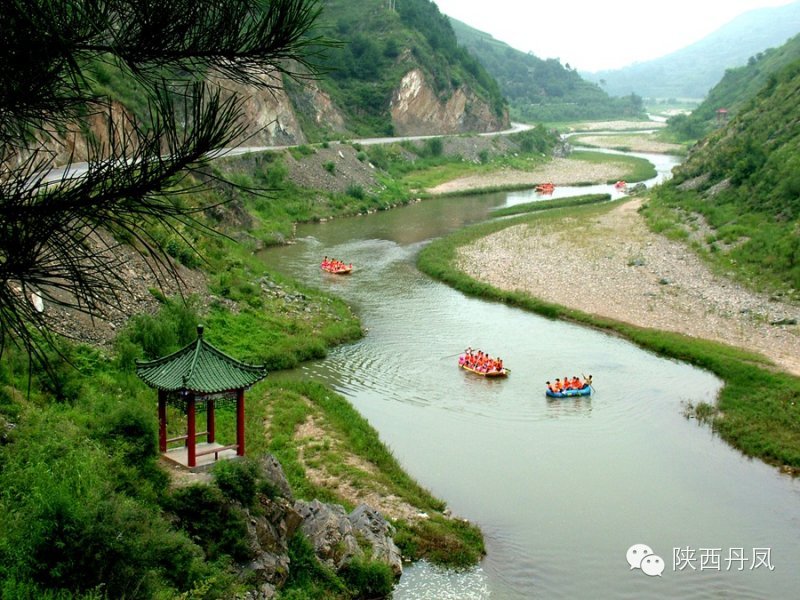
{"points": [[692, 71], [542, 90]]}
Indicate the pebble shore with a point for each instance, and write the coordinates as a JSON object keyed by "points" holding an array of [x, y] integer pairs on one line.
{"points": [[631, 274]]}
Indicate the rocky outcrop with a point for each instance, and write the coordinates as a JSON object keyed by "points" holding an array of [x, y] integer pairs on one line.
{"points": [[77, 141], [417, 110], [267, 114], [337, 537], [269, 535], [376, 531], [309, 100], [330, 532]]}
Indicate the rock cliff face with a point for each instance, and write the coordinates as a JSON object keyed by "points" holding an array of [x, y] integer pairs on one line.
{"points": [[417, 110], [274, 116], [268, 116]]}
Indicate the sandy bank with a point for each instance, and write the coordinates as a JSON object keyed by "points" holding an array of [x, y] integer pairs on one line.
{"points": [[630, 274], [560, 171]]}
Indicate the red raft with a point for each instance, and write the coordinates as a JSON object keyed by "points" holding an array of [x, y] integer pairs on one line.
{"points": [[545, 188], [339, 270], [493, 372], [336, 267]]}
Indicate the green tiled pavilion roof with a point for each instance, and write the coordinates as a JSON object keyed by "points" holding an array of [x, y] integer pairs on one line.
{"points": [[199, 367]]}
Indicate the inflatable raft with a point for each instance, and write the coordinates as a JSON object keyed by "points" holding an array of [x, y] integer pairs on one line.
{"points": [[501, 373], [584, 391], [462, 362], [337, 271]]}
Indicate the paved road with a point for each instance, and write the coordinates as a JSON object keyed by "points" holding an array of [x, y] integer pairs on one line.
{"points": [[78, 169]]}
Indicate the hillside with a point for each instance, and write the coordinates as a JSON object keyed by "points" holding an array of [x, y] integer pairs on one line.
{"points": [[735, 90], [542, 90], [692, 71], [400, 70], [392, 71], [738, 193]]}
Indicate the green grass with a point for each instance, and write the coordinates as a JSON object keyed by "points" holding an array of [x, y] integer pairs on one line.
{"points": [[758, 407], [754, 248], [540, 205], [637, 169], [289, 404]]}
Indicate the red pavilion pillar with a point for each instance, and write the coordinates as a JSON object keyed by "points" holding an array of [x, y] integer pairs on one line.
{"points": [[210, 427], [240, 422], [191, 437], [162, 421]]}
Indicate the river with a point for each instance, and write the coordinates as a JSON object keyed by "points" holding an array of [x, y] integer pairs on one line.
{"points": [[562, 489]]}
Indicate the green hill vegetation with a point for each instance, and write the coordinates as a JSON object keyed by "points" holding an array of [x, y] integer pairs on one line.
{"points": [[737, 196], [376, 47], [380, 45], [543, 90], [735, 90]]}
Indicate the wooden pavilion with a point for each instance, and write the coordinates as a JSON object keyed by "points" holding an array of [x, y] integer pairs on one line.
{"points": [[194, 378]]}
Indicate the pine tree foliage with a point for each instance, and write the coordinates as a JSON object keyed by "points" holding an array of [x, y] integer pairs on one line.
{"points": [[178, 53]]}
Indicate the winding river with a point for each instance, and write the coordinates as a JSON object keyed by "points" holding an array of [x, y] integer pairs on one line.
{"points": [[561, 488]]}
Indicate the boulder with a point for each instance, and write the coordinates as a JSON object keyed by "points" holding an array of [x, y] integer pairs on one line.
{"points": [[329, 531], [269, 535], [271, 471], [370, 525]]}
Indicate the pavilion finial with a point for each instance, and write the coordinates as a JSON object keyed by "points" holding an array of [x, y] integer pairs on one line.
{"points": [[199, 331]]}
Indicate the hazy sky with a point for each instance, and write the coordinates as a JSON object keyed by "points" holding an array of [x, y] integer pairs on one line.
{"points": [[592, 36]]}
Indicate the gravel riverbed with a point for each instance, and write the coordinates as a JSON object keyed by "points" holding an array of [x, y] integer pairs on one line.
{"points": [[628, 273]]}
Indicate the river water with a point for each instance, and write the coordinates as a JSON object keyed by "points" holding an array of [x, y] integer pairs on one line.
{"points": [[561, 488]]}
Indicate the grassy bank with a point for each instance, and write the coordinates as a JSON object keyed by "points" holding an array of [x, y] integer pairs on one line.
{"points": [[758, 410], [638, 169], [80, 486], [541, 205], [343, 450], [755, 248]]}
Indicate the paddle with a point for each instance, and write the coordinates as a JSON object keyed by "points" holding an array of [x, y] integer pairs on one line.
{"points": [[452, 355]]}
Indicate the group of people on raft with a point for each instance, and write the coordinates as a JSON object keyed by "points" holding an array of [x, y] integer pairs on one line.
{"points": [[477, 360], [332, 264], [574, 383]]}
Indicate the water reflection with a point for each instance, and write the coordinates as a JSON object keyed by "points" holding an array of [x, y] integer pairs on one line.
{"points": [[579, 406]]}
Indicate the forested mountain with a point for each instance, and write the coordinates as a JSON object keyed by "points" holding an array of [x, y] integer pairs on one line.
{"points": [[384, 44], [543, 90], [744, 180], [693, 70], [735, 90]]}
